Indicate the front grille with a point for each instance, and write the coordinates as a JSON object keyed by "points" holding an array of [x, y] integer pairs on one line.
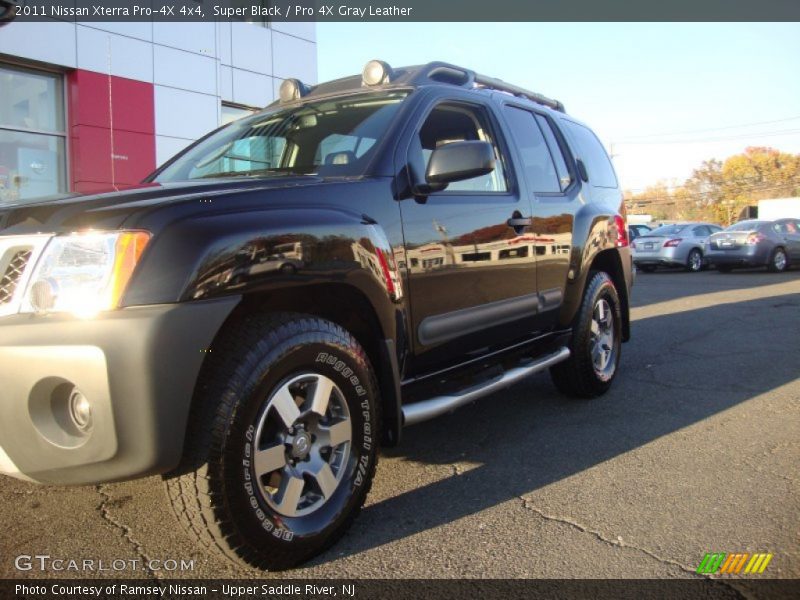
{"points": [[16, 266]]}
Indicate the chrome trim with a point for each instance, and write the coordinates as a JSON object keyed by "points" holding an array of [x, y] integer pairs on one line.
{"points": [[439, 405], [9, 246]]}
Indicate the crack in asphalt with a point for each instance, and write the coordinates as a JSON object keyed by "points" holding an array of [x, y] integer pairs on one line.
{"points": [[620, 543], [617, 543], [127, 532]]}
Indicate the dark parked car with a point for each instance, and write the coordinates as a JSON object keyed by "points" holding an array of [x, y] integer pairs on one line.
{"points": [[771, 244], [295, 288]]}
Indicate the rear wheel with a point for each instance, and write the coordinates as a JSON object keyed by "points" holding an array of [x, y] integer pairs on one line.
{"points": [[281, 447], [778, 260], [694, 262], [596, 342]]}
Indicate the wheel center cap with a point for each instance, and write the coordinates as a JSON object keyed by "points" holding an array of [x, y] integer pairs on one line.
{"points": [[301, 445]]}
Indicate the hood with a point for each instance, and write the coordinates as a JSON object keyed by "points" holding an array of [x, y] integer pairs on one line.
{"points": [[76, 212]]}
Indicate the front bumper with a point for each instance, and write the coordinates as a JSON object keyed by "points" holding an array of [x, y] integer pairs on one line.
{"points": [[137, 367]]}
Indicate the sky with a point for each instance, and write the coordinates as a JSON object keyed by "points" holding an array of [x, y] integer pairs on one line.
{"points": [[663, 97]]}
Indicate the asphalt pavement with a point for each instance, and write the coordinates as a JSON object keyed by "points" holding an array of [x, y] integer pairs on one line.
{"points": [[694, 450]]}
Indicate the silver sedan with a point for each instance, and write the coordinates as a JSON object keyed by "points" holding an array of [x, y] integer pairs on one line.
{"points": [[774, 244], [680, 244]]}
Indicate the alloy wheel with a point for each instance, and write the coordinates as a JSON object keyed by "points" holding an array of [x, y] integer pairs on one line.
{"points": [[695, 261], [302, 444], [779, 260], [602, 343]]}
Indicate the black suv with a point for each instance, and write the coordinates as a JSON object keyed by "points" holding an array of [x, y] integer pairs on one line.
{"points": [[296, 287]]}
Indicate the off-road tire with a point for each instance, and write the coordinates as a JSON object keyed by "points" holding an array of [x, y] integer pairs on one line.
{"points": [[577, 376], [209, 493]]}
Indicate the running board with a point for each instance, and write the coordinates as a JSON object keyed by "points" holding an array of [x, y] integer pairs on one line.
{"points": [[439, 405]]}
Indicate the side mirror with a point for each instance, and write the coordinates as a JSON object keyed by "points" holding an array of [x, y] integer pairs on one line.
{"points": [[457, 161]]}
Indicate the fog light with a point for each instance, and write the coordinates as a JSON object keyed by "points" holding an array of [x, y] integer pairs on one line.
{"points": [[80, 410], [43, 295]]}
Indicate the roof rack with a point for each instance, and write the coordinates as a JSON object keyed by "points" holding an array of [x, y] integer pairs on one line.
{"points": [[493, 83], [442, 72], [379, 74]]}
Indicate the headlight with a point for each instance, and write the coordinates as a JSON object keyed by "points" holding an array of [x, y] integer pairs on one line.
{"points": [[84, 273]]}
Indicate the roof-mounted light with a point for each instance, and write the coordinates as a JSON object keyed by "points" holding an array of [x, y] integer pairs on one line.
{"points": [[376, 72], [292, 89]]}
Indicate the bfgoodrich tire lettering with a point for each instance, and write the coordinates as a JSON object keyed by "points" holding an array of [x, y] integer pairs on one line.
{"points": [[596, 342], [219, 494]]}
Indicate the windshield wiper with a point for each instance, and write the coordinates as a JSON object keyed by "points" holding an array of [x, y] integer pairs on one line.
{"points": [[254, 173]]}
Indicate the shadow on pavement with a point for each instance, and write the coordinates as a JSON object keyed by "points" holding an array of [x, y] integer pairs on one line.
{"points": [[678, 370]]}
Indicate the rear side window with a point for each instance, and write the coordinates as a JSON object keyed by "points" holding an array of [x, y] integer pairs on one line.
{"points": [[591, 151], [564, 177], [540, 172]]}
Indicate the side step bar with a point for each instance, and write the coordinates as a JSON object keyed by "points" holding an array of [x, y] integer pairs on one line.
{"points": [[439, 405]]}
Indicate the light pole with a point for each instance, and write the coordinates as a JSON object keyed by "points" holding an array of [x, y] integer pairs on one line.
{"points": [[730, 207]]}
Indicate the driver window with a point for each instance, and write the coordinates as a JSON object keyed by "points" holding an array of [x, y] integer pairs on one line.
{"points": [[455, 123]]}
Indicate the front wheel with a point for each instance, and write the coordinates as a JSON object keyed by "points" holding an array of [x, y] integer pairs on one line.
{"points": [[596, 342], [282, 443]]}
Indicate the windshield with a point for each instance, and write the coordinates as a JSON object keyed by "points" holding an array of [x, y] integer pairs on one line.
{"points": [[335, 137], [745, 226], [668, 230]]}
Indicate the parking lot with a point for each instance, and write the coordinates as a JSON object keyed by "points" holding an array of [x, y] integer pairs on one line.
{"points": [[695, 450]]}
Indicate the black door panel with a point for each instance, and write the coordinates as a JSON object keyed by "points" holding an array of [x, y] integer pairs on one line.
{"points": [[470, 270]]}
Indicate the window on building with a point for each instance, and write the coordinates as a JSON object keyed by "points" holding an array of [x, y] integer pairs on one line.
{"points": [[32, 135], [233, 112]]}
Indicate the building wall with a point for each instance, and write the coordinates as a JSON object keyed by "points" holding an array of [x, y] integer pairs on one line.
{"points": [[137, 93], [779, 208]]}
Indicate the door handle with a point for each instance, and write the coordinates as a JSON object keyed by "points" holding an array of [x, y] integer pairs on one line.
{"points": [[519, 222]]}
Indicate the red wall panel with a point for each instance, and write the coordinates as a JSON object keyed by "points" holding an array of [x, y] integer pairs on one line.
{"points": [[103, 111]]}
